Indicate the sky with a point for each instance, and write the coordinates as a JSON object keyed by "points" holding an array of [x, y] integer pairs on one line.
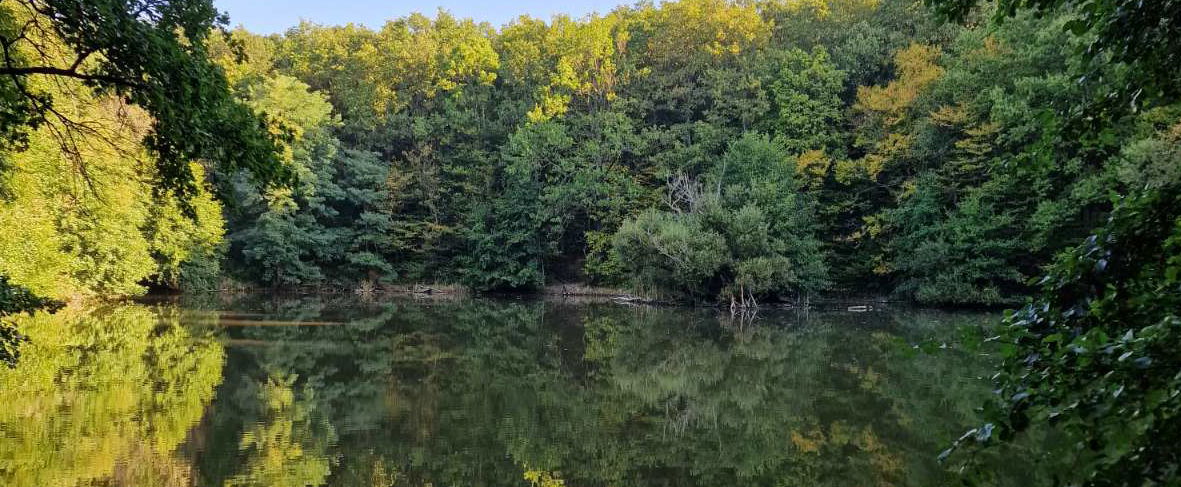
{"points": [[273, 16]]}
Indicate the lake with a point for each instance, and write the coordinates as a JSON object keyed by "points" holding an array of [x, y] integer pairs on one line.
{"points": [[264, 391]]}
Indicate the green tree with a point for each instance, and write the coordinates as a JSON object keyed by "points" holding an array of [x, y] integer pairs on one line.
{"points": [[278, 232], [147, 54], [741, 232], [807, 95], [362, 214], [511, 236], [101, 229], [150, 53], [1094, 354]]}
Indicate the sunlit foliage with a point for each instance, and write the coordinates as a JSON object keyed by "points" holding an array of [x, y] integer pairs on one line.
{"points": [[929, 162]]}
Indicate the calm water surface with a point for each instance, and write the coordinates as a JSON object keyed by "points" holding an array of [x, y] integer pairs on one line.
{"points": [[311, 392]]}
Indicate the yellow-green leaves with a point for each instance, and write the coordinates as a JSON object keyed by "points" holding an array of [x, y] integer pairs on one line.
{"points": [[420, 58], [915, 69], [678, 32], [568, 61], [84, 228]]}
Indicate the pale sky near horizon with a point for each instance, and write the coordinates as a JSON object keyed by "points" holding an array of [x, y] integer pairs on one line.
{"points": [[275, 16]]}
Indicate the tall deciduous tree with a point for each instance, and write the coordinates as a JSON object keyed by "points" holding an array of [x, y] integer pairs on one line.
{"points": [[151, 53]]}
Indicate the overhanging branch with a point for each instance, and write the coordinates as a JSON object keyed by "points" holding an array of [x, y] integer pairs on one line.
{"points": [[69, 73]]}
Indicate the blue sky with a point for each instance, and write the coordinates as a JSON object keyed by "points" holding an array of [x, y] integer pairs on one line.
{"points": [[271, 16]]}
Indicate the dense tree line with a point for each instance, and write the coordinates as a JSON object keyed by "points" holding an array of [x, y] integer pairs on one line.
{"points": [[701, 150]]}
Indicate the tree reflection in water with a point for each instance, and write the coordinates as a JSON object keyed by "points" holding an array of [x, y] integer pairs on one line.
{"points": [[480, 392]]}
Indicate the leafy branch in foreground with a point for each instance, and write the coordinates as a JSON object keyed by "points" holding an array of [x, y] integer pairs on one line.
{"points": [[1094, 356], [1144, 34], [150, 53]]}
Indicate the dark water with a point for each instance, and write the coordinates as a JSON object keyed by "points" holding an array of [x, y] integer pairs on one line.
{"points": [[280, 392]]}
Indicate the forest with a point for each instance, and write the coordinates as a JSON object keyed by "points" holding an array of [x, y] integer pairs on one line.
{"points": [[1007, 153], [699, 150]]}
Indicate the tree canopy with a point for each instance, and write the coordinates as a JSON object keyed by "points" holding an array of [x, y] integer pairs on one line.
{"points": [[710, 151], [149, 53], [938, 163]]}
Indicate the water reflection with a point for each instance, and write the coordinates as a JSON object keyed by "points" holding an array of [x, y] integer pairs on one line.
{"points": [[266, 392], [107, 394]]}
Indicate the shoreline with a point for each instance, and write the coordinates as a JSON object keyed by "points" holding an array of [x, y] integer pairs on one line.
{"points": [[572, 292]]}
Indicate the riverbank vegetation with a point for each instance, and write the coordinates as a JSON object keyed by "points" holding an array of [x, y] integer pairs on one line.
{"points": [[699, 150]]}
